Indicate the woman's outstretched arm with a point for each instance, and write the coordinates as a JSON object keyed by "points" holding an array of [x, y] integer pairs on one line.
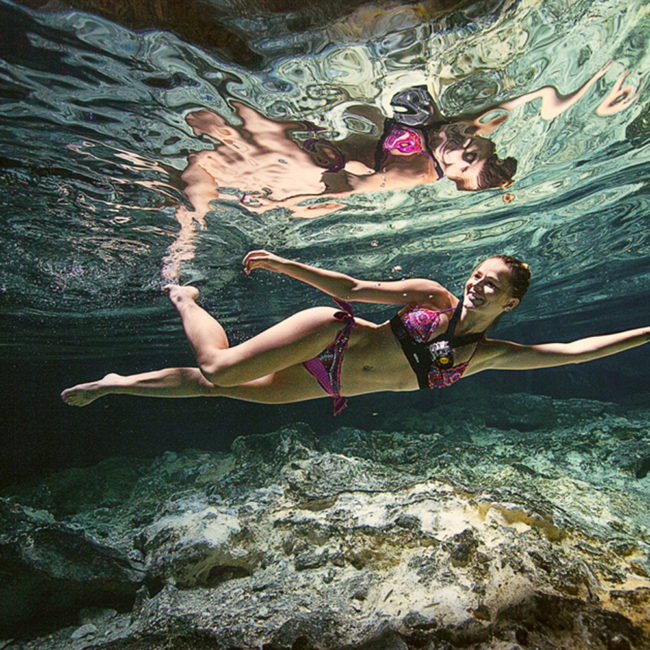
{"points": [[505, 355], [555, 103], [345, 287]]}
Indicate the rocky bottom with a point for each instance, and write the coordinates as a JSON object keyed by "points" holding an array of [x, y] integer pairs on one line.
{"points": [[447, 532]]}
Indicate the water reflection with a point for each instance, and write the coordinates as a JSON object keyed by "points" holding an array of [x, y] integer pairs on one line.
{"points": [[248, 31], [264, 164]]}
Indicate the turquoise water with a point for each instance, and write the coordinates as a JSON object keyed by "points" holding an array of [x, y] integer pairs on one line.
{"points": [[95, 127], [160, 142]]}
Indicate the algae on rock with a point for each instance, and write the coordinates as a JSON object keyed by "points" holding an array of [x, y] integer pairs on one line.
{"points": [[475, 537]]}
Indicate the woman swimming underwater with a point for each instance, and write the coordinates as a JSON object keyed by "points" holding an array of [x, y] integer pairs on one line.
{"points": [[432, 342]]}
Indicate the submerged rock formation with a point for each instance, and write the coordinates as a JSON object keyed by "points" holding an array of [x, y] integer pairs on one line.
{"points": [[450, 533]]}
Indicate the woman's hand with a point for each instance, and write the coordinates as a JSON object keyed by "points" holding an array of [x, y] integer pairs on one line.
{"points": [[262, 260], [619, 98]]}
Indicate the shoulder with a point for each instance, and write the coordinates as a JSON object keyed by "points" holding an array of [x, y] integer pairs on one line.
{"points": [[424, 284], [432, 307], [430, 294]]}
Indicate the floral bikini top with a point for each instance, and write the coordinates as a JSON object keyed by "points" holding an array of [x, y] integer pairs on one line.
{"points": [[431, 357], [407, 141], [403, 139]]}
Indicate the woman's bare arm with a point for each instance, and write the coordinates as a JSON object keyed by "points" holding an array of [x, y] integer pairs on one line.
{"points": [[554, 103], [506, 355], [345, 287]]}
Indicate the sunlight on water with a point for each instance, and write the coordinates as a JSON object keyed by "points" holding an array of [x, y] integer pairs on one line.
{"points": [[131, 158]]}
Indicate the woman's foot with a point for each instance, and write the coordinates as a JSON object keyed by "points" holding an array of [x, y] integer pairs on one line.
{"points": [[181, 295], [84, 394]]}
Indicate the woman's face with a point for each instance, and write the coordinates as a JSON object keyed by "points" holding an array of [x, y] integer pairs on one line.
{"points": [[489, 288], [462, 156]]}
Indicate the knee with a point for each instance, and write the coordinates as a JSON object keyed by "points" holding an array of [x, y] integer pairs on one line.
{"points": [[210, 370], [209, 389], [195, 379], [219, 373]]}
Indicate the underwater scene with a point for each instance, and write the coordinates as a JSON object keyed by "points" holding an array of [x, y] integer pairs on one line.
{"points": [[377, 151]]}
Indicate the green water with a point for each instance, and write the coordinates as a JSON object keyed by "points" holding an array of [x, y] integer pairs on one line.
{"points": [[160, 142], [95, 125]]}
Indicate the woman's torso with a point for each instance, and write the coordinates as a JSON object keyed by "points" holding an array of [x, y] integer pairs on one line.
{"points": [[405, 163], [375, 361]]}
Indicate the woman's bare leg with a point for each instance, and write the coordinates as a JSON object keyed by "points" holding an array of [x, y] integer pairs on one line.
{"points": [[267, 368], [168, 382], [296, 339], [203, 332], [290, 385]]}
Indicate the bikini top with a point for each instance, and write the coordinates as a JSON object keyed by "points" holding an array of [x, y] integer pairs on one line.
{"points": [[431, 358], [404, 139], [407, 140]]}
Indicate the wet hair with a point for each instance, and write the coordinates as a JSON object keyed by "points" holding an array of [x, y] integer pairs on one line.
{"points": [[497, 172], [519, 274]]}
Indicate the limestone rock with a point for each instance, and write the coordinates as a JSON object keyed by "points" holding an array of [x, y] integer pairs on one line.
{"points": [[53, 569], [476, 537]]}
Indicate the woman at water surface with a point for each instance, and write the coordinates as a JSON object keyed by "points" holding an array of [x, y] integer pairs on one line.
{"points": [[264, 164], [281, 164], [433, 341]]}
